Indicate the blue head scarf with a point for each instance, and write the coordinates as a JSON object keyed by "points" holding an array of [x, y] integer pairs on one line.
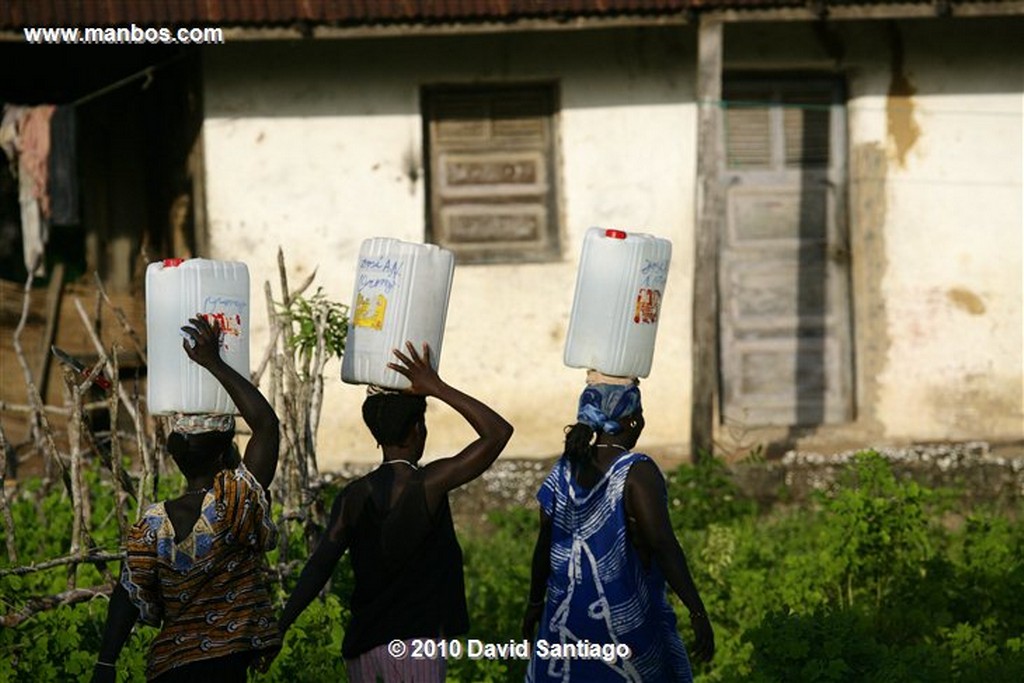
{"points": [[603, 405]]}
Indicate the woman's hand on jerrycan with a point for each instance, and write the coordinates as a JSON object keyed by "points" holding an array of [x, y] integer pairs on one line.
{"points": [[205, 346], [416, 368]]}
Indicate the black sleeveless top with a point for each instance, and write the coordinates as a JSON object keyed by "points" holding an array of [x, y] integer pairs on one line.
{"points": [[408, 569]]}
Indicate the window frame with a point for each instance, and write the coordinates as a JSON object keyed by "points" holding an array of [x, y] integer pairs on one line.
{"points": [[547, 246]]}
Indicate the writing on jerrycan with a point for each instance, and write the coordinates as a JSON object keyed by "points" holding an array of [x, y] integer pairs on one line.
{"points": [[620, 287], [177, 290], [401, 294]]}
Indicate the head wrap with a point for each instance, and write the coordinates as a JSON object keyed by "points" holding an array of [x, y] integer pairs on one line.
{"points": [[374, 389], [198, 424], [603, 405], [597, 377]]}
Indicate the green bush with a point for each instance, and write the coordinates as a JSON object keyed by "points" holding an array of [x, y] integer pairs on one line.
{"points": [[312, 650], [864, 584], [703, 494]]}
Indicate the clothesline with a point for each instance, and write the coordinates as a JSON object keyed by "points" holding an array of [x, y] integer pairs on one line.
{"points": [[147, 72], [41, 141]]}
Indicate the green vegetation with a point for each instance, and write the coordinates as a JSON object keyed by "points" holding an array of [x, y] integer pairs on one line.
{"points": [[865, 584], [307, 321]]}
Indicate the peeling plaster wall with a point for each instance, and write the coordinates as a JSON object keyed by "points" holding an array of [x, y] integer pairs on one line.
{"points": [[935, 130], [317, 145]]}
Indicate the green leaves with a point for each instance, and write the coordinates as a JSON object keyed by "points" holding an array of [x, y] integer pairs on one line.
{"points": [[879, 529], [61, 645], [867, 586], [312, 648], [864, 585], [704, 493], [307, 315]]}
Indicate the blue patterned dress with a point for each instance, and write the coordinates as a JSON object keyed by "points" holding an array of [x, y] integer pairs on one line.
{"points": [[599, 591]]}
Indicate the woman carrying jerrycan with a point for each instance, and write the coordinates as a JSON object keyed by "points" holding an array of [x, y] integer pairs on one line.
{"points": [[606, 549], [195, 565], [604, 553], [395, 522]]}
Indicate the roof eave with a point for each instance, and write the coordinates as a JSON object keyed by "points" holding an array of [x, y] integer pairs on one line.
{"points": [[812, 10]]}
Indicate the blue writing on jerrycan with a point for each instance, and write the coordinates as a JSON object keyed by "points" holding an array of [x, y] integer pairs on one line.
{"points": [[401, 294], [620, 284], [176, 290]]}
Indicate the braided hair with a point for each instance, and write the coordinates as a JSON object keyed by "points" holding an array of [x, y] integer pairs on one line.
{"points": [[391, 416], [578, 443]]}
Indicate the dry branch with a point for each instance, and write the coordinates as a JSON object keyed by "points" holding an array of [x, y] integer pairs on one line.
{"points": [[78, 558], [40, 425], [275, 332], [123, 319], [78, 519], [55, 410], [147, 488], [102, 353], [5, 510], [35, 605], [122, 482]]}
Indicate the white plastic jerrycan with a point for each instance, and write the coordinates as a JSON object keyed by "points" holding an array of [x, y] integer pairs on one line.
{"points": [[401, 294], [619, 288], [177, 290]]}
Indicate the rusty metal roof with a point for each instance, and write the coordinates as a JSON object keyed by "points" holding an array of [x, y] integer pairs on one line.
{"points": [[26, 13], [248, 12]]}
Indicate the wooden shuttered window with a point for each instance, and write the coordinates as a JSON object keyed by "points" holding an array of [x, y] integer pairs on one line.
{"points": [[806, 126], [492, 183], [774, 129], [748, 128]]}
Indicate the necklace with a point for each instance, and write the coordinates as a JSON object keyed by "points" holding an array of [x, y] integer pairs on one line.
{"points": [[611, 445], [404, 462]]}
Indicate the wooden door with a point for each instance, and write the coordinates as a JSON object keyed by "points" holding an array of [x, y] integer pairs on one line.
{"points": [[783, 277]]}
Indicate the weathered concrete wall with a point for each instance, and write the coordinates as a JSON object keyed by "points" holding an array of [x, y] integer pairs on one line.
{"points": [[315, 146], [970, 472], [935, 132]]}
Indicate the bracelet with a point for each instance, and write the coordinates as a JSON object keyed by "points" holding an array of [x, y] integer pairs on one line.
{"points": [[100, 663], [536, 604], [698, 615]]}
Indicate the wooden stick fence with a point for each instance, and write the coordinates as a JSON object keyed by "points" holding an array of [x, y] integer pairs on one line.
{"points": [[295, 390]]}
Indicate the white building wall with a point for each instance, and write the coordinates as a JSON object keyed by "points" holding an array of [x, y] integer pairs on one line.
{"points": [[954, 318], [939, 284], [315, 146]]}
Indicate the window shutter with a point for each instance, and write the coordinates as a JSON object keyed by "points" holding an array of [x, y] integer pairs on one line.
{"points": [[492, 191], [748, 136], [805, 122]]}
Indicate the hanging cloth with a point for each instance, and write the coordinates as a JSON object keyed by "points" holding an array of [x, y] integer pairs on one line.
{"points": [[62, 182], [33, 165], [25, 138]]}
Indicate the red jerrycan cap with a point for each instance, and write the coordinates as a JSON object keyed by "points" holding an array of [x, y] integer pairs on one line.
{"points": [[615, 234], [173, 262]]}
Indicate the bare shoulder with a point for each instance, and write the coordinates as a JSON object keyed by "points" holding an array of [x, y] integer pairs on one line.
{"points": [[351, 494], [645, 474], [645, 486]]}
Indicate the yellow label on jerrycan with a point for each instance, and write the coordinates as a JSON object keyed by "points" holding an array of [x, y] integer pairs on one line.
{"points": [[620, 284], [176, 290], [401, 294]]}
